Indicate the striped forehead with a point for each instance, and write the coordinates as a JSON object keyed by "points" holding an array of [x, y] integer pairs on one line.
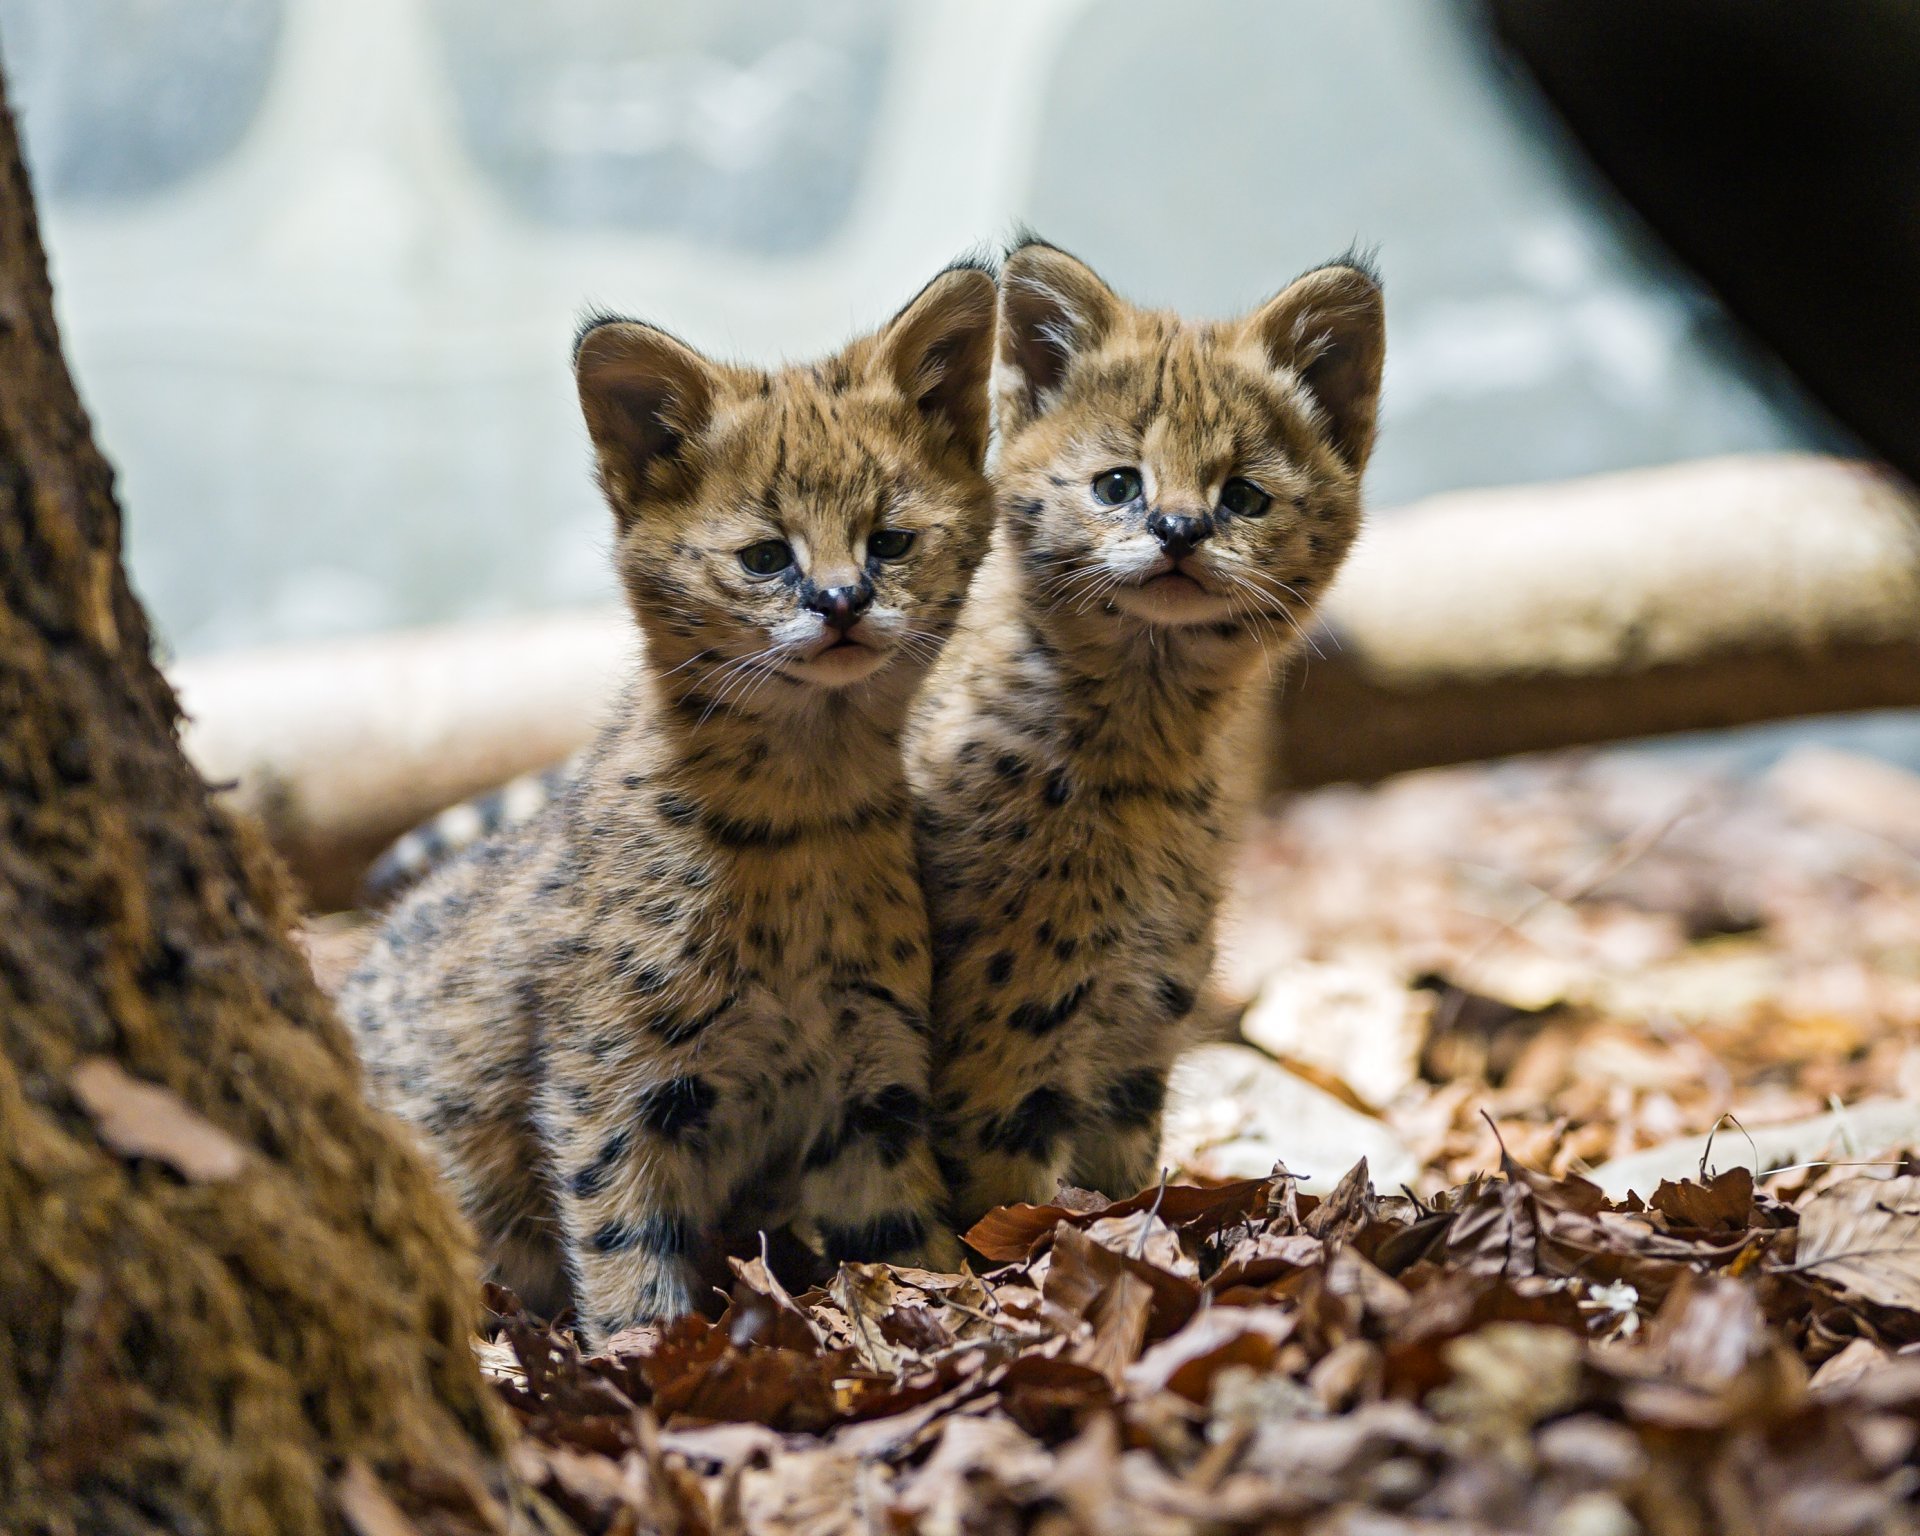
{"points": [[1193, 402], [808, 449]]}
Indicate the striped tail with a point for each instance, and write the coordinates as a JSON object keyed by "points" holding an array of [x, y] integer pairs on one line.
{"points": [[419, 852]]}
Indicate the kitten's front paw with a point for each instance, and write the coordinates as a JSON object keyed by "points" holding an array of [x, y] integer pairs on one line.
{"points": [[644, 1297], [939, 1251]]}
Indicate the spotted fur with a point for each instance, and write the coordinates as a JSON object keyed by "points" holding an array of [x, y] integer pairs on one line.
{"points": [[1080, 761], [689, 998]]}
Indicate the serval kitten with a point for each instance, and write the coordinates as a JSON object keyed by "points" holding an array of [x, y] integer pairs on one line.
{"points": [[1175, 496], [689, 998]]}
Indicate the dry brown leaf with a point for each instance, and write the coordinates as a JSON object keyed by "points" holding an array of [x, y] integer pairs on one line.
{"points": [[1863, 1235], [1143, 1235], [1220, 1337], [867, 1294], [1723, 1204], [141, 1119]]}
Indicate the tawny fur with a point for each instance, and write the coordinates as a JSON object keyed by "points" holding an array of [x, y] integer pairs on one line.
{"points": [[690, 998], [1079, 761]]}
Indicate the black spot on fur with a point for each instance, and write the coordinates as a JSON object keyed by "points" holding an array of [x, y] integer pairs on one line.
{"points": [[677, 1031], [1136, 1099], [677, 808], [1043, 1018], [1059, 787], [662, 1234], [1175, 998], [591, 1179], [1000, 968], [678, 1108], [1034, 1126], [1010, 767], [893, 1120]]}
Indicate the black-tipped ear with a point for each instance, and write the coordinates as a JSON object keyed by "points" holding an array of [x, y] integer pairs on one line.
{"points": [[1052, 308], [644, 395], [1330, 328], [938, 352]]}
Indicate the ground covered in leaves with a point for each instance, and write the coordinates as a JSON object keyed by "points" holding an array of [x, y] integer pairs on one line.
{"points": [[1495, 983], [1516, 1354]]}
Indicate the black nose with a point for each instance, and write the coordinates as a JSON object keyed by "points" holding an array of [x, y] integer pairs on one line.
{"points": [[1179, 535], [840, 606]]}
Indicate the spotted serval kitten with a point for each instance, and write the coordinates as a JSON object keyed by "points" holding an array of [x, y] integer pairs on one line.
{"points": [[689, 998], [1175, 496]]}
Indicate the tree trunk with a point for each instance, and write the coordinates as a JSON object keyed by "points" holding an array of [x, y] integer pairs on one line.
{"points": [[232, 1298]]}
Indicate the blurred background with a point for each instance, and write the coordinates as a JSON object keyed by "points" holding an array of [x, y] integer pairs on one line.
{"points": [[318, 261]]}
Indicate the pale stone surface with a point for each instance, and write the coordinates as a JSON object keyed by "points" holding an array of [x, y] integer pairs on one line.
{"points": [[1233, 1113], [1364, 1026]]}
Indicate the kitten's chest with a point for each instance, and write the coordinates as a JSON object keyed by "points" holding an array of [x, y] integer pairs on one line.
{"points": [[828, 908]]}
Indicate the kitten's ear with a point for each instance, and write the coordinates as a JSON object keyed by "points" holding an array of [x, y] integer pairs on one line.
{"points": [[645, 396], [938, 351], [1330, 328], [1052, 308]]}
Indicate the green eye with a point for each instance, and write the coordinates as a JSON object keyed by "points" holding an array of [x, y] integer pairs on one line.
{"points": [[890, 543], [1117, 487], [1243, 498], [767, 558]]}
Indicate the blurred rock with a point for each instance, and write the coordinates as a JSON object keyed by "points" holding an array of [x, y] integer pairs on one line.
{"points": [[1363, 1026]]}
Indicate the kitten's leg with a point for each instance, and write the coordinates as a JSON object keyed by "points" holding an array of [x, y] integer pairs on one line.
{"points": [[1116, 1151], [639, 1257], [877, 1199], [641, 1190], [869, 1180], [1004, 1153]]}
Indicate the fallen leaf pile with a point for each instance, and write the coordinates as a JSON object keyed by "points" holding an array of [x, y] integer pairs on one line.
{"points": [[1514, 1354], [1488, 982], [1599, 954]]}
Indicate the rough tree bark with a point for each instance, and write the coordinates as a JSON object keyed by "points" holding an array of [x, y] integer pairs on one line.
{"points": [[232, 1299], [1470, 626]]}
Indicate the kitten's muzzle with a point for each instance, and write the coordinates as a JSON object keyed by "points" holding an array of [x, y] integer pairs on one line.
{"points": [[841, 607], [1179, 534]]}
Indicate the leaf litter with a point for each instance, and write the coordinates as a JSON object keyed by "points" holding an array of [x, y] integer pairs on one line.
{"points": [[1529, 970]]}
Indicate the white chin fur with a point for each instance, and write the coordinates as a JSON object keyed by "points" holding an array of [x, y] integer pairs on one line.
{"points": [[840, 667], [1172, 604]]}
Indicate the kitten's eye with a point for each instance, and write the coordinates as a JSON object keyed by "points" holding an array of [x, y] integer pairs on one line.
{"points": [[890, 543], [1117, 487], [1243, 498], [767, 558]]}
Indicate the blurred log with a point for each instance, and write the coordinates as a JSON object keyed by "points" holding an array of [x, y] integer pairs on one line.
{"points": [[340, 748], [1470, 626], [1703, 595]]}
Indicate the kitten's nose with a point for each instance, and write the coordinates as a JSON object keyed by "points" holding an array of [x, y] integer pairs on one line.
{"points": [[841, 606], [1179, 535]]}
